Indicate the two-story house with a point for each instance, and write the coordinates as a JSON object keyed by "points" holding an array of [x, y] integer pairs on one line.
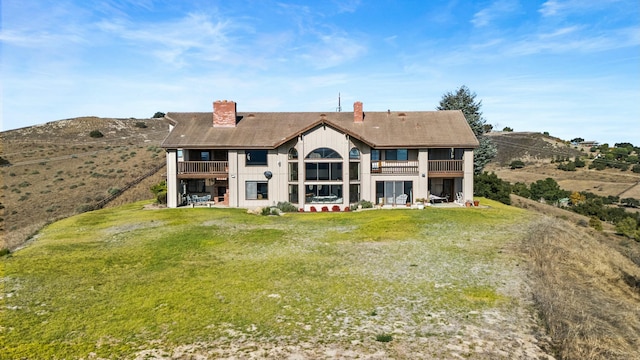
{"points": [[314, 159]]}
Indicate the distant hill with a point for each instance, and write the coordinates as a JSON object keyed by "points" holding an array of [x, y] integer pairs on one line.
{"points": [[58, 169], [531, 147], [538, 151]]}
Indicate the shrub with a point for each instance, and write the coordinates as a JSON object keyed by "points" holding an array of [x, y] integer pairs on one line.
{"points": [[160, 192], [96, 134], [4, 252], [265, 211], [516, 164], [492, 187], [570, 166], [113, 191], [140, 124], [595, 223], [158, 115], [631, 202], [4, 162], [627, 227], [636, 168], [286, 206], [84, 208], [384, 337], [521, 189], [335, 208]]}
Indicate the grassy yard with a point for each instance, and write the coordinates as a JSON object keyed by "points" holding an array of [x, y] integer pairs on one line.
{"points": [[134, 283]]}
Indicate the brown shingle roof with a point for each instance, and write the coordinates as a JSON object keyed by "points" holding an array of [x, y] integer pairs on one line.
{"points": [[418, 129]]}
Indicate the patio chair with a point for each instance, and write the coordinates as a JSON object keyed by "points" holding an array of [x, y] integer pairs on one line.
{"points": [[459, 198], [401, 199]]}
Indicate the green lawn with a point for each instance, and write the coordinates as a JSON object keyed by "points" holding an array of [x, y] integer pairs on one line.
{"points": [[113, 282]]}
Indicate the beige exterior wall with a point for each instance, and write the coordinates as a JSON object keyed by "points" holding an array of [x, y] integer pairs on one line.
{"points": [[172, 178], [467, 182]]}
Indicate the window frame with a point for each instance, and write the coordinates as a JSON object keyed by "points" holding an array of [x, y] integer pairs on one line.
{"points": [[257, 162], [261, 189]]}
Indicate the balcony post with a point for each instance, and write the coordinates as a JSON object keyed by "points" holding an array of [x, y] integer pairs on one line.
{"points": [[467, 180], [172, 178]]}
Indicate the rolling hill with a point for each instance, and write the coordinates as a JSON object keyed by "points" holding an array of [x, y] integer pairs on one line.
{"points": [[57, 169]]}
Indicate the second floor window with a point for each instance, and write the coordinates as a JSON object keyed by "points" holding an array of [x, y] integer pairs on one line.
{"points": [[396, 154], [256, 157]]}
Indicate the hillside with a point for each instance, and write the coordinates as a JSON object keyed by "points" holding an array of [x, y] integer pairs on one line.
{"points": [[537, 152], [57, 169], [442, 283]]}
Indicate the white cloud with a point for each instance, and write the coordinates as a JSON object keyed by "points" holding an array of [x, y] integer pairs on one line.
{"points": [[496, 10]]}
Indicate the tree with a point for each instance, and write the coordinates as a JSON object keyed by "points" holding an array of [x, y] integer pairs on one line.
{"points": [[516, 164], [577, 198], [507, 129], [576, 140], [492, 187], [627, 227], [464, 100], [547, 189], [158, 115]]}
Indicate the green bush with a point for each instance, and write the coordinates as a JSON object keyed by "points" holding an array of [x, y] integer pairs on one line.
{"points": [[159, 190], [96, 134], [4, 252], [627, 227], [595, 223], [570, 166], [384, 337], [516, 164], [636, 168], [4, 162], [140, 124], [286, 206], [492, 187]]}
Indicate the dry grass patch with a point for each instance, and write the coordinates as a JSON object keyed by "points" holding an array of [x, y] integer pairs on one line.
{"points": [[583, 290]]}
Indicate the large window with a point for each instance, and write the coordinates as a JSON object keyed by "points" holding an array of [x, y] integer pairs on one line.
{"points": [[256, 157], [316, 171], [293, 193], [293, 171], [315, 194], [256, 190], [396, 154], [324, 153], [387, 192]]}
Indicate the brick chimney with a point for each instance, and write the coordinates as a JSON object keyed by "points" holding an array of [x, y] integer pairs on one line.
{"points": [[224, 113], [358, 115]]}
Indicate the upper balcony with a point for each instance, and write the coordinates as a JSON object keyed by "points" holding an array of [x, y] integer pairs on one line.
{"points": [[203, 169], [394, 167], [436, 168], [445, 168]]}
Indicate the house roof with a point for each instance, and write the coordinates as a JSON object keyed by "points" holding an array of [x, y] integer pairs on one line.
{"points": [[418, 129]]}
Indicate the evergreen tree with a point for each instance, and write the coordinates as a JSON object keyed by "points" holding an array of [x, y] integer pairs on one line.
{"points": [[464, 100]]}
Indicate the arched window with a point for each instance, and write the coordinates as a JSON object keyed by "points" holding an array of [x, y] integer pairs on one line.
{"points": [[293, 153], [354, 153], [324, 153]]}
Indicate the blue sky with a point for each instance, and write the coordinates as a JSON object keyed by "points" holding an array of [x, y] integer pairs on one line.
{"points": [[571, 68]]}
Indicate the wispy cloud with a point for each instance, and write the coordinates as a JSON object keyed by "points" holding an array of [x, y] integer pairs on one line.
{"points": [[561, 8], [496, 10], [177, 42]]}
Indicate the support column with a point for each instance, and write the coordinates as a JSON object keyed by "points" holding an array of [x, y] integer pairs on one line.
{"points": [[172, 178], [467, 181]]}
